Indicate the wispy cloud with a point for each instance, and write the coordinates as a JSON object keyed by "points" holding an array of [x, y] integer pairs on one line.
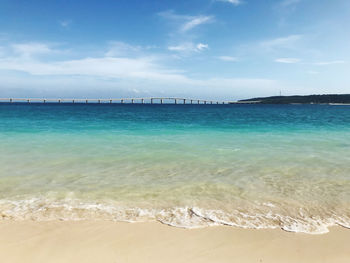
{"points": [[65, 23], [145, 74], [32, 48], [107, 67], [228, 58], [120, 61], [186, 22], [189, 47], [284, 9], [171, 15], [325, 63], [2, 51], [297, 60], [288, 42], [286, 3], [182, 35], [201, 46], [119, 48], [234, 2], [287, 60], [196, 21]]}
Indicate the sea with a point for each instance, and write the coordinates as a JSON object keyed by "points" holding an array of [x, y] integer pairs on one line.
{"points": [[188, 166]]}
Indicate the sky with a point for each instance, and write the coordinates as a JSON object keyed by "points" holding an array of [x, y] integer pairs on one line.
{"points": [[205, 49]]}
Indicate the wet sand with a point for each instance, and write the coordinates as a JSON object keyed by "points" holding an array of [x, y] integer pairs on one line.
{"points": [[104, 241]]}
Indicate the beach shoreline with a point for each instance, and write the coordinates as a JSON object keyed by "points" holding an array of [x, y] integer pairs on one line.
{"points": [[107, 241]]}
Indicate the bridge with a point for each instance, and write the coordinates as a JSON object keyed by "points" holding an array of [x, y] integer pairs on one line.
{"points": [[151, 100]]}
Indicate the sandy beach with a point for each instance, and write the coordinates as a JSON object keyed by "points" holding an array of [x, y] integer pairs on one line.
{"points": [[104, 241]]}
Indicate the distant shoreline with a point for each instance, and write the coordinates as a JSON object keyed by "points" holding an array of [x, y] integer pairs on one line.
{"points": [[328, 99], [325, 99]]}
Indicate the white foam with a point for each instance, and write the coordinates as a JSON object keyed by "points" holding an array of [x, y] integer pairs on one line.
{"points": [[42, 209]]}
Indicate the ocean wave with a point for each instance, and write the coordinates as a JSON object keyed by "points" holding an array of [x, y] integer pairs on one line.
{"points": [[39, 209]]}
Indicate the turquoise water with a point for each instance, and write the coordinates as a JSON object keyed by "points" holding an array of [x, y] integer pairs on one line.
{"points": [[251, 166]]}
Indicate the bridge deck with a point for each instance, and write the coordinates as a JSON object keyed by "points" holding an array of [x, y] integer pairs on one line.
{"points": [[151, 100]]}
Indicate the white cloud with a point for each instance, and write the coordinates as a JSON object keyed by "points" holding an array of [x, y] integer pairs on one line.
{"points": [[186, 22], [196, 21], [287, 60], [234, 2], [228, 58], [325, 63], [29, 49], [201, 46], [118, 48], [296, 60], [119, 75], [189, 47], [107, 67], [182, 47]]}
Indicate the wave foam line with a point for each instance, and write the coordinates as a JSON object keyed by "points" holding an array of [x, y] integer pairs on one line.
{"points": [[185, 217]]}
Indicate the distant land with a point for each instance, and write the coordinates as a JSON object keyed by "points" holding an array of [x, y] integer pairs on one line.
{"points": [[299, 99]]}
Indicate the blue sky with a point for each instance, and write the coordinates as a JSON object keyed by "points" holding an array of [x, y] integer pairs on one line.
{"points": [[219, 49]]}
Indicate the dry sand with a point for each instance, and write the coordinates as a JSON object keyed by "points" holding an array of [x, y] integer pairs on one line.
{"points": [[100, 241]]}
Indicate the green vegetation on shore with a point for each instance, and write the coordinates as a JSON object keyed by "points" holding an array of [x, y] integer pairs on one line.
{"points": [[317, 99]]}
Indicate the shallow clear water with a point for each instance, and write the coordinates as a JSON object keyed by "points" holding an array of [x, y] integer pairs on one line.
{"points": [[254, 166]]}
